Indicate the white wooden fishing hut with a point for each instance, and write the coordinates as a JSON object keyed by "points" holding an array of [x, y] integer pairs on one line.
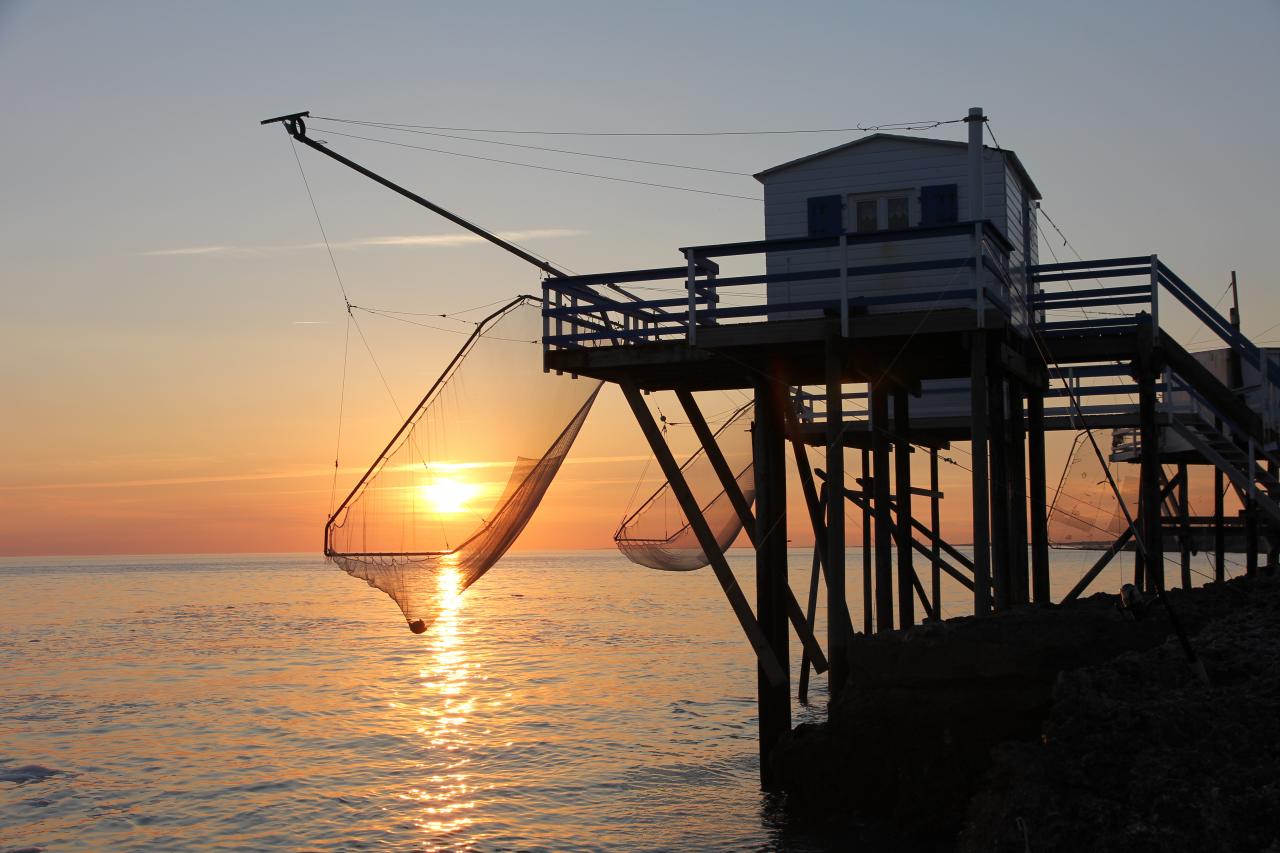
{"points": [[905, 271]]}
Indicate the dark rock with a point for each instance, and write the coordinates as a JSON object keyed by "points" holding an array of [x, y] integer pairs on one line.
{"points": [[908, 743]]}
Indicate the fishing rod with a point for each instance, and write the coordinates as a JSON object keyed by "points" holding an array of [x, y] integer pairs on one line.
{"points": [[296, 126]]}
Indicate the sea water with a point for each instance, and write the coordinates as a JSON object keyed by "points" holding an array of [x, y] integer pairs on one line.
{"points": [[567, 701]]}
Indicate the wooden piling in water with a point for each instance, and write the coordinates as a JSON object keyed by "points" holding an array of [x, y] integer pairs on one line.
{"points": [[902, 485], [867, 590], [1039, 498], [1021, 588], [880, 490], [1184, 539], [837, 601], [979, 481], [772, 590], [1001, 508], [935, 530], [1151, 492]]}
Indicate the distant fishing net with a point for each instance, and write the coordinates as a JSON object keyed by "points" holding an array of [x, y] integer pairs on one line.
{"points": [[658, 534], [464, 474], [1085, 512]]}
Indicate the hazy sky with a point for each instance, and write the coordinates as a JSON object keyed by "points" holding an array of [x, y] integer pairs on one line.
{"points": [[172, 332]]}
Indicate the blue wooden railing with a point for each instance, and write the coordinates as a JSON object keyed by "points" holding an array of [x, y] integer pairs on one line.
{"points": [[591, 310]]}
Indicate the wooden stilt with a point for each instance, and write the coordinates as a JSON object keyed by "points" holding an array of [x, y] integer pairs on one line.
{"points": [[867, 590], [1001, 573], [1139, 556], [1273, 541], [810, 615], [773, 699], [1219, 531], [838, 629], [880, 487], [981, 496], [1250, 536], [1184, 540], [1152, 500], [729, 483], [935, 529], [769, 663], [1021, 587], [1039, 498], [902, 484]]}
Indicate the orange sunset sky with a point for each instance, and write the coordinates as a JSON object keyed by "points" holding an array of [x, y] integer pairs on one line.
{"points": [[172, 341]]}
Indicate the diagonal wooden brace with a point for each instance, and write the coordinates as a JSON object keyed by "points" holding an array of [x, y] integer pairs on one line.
{"points": [[811, 499], [706, 539], [730, 485]]}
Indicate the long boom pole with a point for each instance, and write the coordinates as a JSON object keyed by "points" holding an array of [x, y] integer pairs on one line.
{"points": [[295, 125]]}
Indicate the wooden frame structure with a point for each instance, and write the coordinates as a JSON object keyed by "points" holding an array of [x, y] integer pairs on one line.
{"points": [[593, 327]]}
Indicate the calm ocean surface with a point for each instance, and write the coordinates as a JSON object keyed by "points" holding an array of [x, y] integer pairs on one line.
{"points": [[569, 701]]}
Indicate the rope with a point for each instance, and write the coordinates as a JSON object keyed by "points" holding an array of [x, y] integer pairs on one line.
{"points": [[337, 275], [909, 125], [543, 148], [342, 398], [547, 168]]}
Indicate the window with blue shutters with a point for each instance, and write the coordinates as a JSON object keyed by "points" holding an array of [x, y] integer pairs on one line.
{"points": [[826, 216], [939, 204]]}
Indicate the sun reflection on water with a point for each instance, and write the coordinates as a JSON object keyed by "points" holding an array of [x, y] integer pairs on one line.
{"points": [[446, 795]]}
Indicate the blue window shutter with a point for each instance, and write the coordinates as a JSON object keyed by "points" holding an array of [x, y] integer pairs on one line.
{"points": [[826, 216], [939, 204]]}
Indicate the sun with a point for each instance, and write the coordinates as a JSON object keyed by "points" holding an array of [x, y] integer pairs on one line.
{"points": [[448, 496]]}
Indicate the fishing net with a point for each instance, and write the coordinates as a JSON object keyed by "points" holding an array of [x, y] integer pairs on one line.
{"points": [[1085, 512], [461, 478], [658, 534]]}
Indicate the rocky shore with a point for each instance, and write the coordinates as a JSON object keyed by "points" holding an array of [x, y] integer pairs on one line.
{"points": [[1053, 729]]}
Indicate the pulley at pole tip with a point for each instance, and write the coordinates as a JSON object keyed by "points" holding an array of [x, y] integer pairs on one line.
{"points": [[293, 122]]}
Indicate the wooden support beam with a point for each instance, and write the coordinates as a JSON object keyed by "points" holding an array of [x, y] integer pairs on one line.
{"points": [[769, 664], [729, 483], [1039, 498], [1001, 506], [981, 485], [1101, 563], [1250, 536], [883, 537], [838, 635], [1219, 528], [1273, 542], [1115, 548], [867, 589], [902, 459], [1184, 537], [811, 614], [935, 532], [1021, 587], [772, 591], [1152, 495], [863, 501]]}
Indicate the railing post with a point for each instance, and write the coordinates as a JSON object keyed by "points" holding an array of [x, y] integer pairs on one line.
{"points": [[691, 284], [979, 295], [1155, 299], [844, 284], [712, 298], [1253, 480], [546, 322]]}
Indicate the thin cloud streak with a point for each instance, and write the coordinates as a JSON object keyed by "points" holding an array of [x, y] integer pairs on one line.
{"points": [[387, 241], [272, 475]]}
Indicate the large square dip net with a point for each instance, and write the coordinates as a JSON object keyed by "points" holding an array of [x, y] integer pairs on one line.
{"points": [[658, 534], [1085, 513], [463, 475]]}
